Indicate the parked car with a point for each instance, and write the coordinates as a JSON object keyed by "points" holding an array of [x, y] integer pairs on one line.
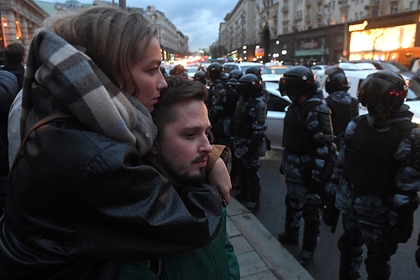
{"points": [[279, 69], [277, 107], [190, 71], [356, 77], [381, 65], [266, 76]]}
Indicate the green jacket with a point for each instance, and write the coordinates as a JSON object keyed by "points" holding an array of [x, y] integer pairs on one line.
{"points": [[215, 261]]}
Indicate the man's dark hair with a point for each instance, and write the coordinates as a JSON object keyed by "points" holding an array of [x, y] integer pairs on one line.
{"points": [[14, 53], [179, 89]]}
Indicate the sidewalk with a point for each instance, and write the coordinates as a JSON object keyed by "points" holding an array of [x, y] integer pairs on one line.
{"points": [[260, 255]]}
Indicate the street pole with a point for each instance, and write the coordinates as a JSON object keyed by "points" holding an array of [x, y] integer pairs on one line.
{"points": [[122, 4], [345, 50]]}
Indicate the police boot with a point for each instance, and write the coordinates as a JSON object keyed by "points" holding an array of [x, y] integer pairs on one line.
{"points": [[378, 267], [311, 216], [291, 234], [351, 258], [254, 193], [305, 257]]}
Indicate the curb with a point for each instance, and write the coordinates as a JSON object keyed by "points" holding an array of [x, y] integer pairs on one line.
{"points": [[278, 261]]}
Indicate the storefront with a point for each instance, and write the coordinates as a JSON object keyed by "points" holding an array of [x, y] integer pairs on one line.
{"points": [[322, 45], [374, 38]]}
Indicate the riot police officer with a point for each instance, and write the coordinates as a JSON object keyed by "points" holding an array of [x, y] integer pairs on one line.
{"points": [[248, 136], [256, 70], [200, 76], [216, 93], [343, 108], [377, 193], [235, 172], [306, 158]]}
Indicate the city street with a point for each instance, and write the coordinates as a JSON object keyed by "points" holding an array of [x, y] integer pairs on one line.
{"points": [[326, 262]]}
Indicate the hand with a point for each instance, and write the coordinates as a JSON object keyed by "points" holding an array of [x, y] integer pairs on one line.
{"points": [[401, 226], [220, 179]]}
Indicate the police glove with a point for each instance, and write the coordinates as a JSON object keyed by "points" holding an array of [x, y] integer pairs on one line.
{"points": [[401, 226]]}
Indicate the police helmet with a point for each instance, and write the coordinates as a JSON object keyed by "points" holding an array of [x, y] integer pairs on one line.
{"points": [[234, 77], [297, 81], [214, 70], [382, 91], [256, 70], [200, 76], [336, 80], [249, 85]]}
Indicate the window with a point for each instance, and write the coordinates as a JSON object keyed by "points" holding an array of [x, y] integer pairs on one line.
{"points": [[277, 104], [394, 9], [375, 13]]}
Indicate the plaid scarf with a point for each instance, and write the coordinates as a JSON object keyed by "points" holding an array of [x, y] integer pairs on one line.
{"points": [[73, 80]]}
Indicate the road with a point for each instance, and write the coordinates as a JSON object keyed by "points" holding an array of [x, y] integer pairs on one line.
{"points": [[326, 262]]}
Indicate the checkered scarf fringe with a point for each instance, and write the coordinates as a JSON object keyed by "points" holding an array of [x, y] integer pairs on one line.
{"points": [[73, 79]]}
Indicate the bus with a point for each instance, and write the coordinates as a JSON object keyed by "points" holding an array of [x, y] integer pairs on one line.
{"points": [[405, 56]]}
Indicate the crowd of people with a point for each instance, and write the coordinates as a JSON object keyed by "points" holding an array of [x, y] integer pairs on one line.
{"points": [[112, 168]]}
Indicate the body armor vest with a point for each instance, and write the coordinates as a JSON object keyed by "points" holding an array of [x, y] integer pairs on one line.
{"points": [[369, 156], [296, 136], [231, 100], [240, 118]]}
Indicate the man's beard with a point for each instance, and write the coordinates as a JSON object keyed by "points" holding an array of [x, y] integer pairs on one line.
{"points": [[175, 171]]}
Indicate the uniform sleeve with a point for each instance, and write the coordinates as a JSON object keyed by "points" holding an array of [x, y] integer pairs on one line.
{"points": [[319, 123], [408, 175]]}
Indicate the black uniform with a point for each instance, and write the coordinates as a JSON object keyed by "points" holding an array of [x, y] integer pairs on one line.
{"points": [[248, 137], [377, 192]]}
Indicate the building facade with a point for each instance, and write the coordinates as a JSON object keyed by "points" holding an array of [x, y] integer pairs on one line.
{"points": [[324, 31], [173, 43], [19, 21], [21, 18]]}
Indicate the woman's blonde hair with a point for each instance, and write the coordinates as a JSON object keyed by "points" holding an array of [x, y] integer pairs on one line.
{"points": [[113, 38]]}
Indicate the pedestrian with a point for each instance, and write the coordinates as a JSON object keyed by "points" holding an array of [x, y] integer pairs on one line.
{"points": [[178, 70], [8, 90], [306, 158], [377, 192], [249, 125], [14, 55], [179, 153], [343, 108], [81, 201]]}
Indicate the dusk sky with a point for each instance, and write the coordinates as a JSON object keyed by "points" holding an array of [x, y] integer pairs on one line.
{"points": [[199, 20]]}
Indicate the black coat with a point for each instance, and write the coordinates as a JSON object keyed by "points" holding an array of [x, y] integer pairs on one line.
{"points": [[80, 203]]}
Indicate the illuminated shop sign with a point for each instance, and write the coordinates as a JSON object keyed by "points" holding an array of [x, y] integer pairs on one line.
{"points": [[373, 43], [308, 45], [358, 27]]}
